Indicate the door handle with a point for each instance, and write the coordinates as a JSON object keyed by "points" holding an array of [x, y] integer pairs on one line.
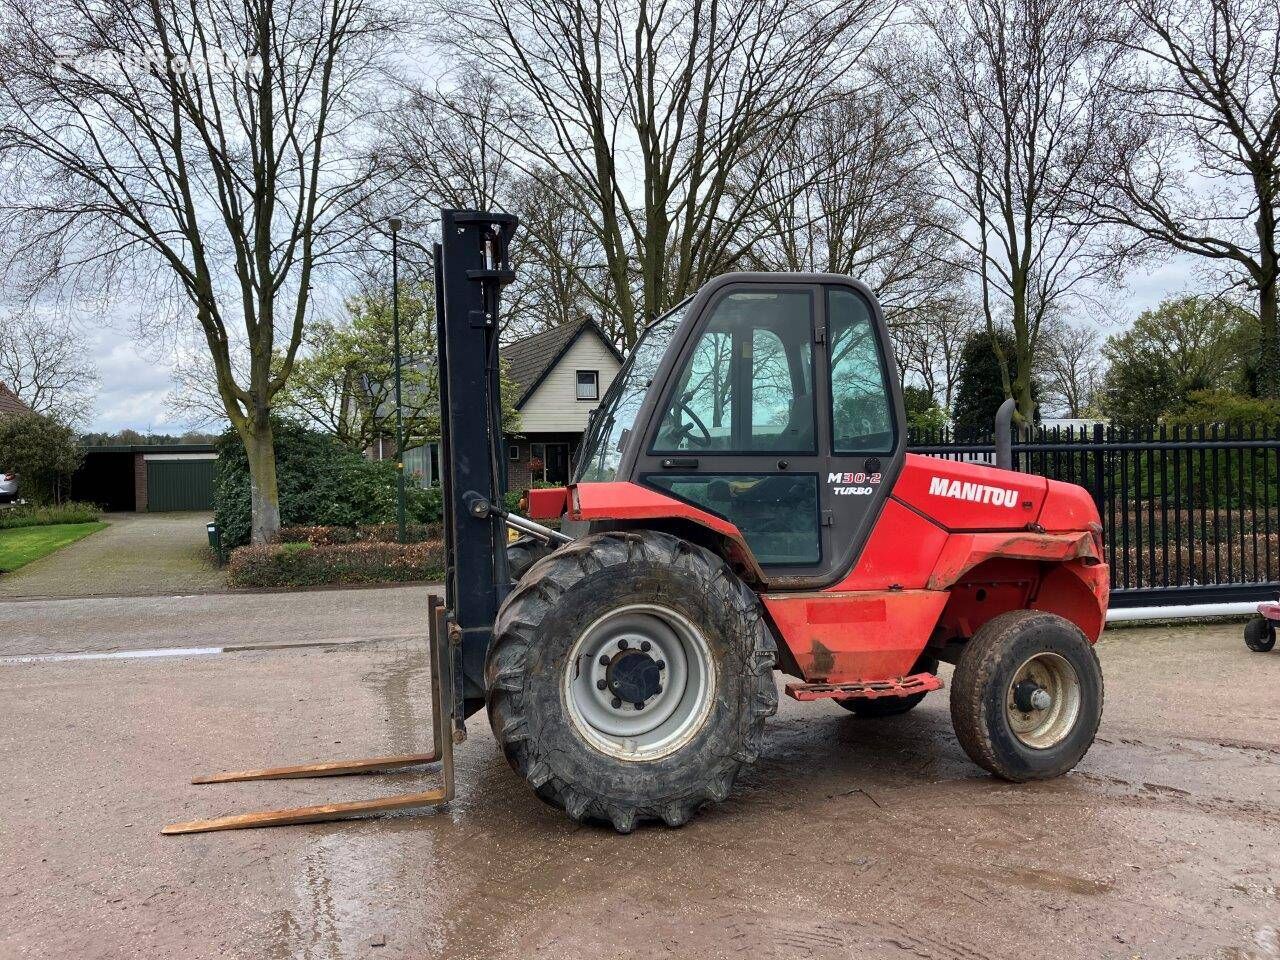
{"points": [[679, 463]]}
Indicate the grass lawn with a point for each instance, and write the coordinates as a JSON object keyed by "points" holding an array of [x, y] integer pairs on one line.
{"points": [[20, 546]]}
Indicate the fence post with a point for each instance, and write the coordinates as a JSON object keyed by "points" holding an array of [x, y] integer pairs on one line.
{"points": [[1098, 472]]}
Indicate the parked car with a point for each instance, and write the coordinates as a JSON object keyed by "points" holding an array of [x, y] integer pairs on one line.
{"points": [[8, 486]]}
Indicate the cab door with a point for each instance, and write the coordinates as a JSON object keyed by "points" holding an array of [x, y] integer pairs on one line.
{"points": [[778, 416]]}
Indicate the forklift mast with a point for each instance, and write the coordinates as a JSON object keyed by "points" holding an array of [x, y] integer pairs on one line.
{"points": [[472, 264]]}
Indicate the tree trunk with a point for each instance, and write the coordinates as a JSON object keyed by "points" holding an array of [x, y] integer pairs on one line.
{"points": [[264, 494], [1269, 360]]}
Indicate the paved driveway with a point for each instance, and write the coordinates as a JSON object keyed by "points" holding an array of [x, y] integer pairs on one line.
{"points": [[849, 839], [138, 554]]}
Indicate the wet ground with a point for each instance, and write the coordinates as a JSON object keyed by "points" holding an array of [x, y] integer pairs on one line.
{"points": [[849, 838]]}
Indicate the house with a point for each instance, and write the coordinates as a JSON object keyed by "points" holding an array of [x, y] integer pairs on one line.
{"points": [[560, 375], [10, 405]]}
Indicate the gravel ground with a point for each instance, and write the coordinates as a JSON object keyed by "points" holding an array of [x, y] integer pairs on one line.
{"points": [[138, 553], [848, 839]]}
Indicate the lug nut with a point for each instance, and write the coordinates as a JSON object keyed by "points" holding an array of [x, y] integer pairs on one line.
{"points": [[639, 706], [601, 684], [604, 660], [622, 644], [617, 702], [662, 664], [645, 646]]}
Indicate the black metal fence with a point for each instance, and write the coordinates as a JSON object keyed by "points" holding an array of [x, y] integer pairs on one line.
{"points": [[1190, 515]]}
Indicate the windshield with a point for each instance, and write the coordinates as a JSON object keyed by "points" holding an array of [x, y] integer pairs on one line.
{"points": [[602, 449]]}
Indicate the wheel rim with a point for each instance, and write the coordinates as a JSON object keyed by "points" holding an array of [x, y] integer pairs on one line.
{"points": [[657, 657], [1043, 701]]}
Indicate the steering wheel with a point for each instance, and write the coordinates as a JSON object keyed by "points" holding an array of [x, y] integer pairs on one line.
{"points": [[687, 430]]}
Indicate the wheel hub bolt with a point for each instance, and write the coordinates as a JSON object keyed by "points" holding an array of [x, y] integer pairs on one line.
{"points": [[622, 644], [617, 702], [1029, 695], [639, 706], [662, 664], [645, 646], [601, 684], [604, 660]]}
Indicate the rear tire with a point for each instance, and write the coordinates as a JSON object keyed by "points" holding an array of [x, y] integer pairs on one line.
{"points": [[999, 672], [600, 598], [1260, 634], [891, 706], [523, 553]]}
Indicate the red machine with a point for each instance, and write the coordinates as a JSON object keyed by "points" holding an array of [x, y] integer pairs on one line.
{"points": [[743, 501]]}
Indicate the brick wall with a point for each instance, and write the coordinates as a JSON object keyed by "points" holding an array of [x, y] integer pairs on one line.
{"points": [[139, 483], [518, 470]]}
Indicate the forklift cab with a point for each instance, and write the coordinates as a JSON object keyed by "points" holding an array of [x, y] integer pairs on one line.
{"points": [[766, 400]]}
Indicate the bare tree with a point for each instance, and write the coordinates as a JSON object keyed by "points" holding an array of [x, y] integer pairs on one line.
{"points": [[209, 153], [1071, 366], [1008, 95], [448, 149], [1193, 156], [931, 347], [849, 193], [644, 112], [449, 146], [44, 362], [563, 277]]}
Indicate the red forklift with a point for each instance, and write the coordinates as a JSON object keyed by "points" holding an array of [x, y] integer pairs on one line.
{"points": [[743, 503]]}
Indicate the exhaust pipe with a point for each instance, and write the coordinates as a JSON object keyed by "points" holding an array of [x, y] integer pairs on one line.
{"points": [[1004, 434]]}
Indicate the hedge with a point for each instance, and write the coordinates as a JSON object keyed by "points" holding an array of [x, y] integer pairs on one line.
{"points": [[28, 515], [301, 565], [320, 482], [321, 536]]}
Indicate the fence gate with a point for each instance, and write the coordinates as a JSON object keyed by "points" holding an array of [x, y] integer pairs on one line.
{"points": [[179, 484], [1190, 515]]}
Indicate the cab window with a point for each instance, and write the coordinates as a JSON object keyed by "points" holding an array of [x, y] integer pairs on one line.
{"points": [[748, 384], [861, 418]]}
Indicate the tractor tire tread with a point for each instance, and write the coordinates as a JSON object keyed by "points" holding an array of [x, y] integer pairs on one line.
{"points": [[518, 624], [523, 553]]}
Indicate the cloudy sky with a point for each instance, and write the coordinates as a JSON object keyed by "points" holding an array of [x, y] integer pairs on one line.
{"points": [[137, 372]]}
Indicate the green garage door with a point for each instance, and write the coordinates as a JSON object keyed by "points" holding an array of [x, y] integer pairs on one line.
{"points": [[179, 485]]}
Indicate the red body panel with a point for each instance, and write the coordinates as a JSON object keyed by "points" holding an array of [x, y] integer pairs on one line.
{"points": [[901, 551], [630, 501], [1067, 507], [865, 635], [969, 496], [548, 503], [955, 545]]}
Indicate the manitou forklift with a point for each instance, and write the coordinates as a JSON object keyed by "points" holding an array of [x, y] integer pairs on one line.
{"points": [[743, 502]]}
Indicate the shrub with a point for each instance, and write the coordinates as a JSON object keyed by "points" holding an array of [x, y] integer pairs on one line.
{"points": [[1207, 408], [321, 483], [320, 536], [44, 453], [303, 565], [29, 515]]}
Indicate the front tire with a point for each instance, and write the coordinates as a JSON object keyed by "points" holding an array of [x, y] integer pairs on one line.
{"points": [[1260, 634], [592, 624], [1026, 696]]}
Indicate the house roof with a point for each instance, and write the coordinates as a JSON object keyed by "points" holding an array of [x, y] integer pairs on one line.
{"points": [[530, 360], [10, 405]]}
